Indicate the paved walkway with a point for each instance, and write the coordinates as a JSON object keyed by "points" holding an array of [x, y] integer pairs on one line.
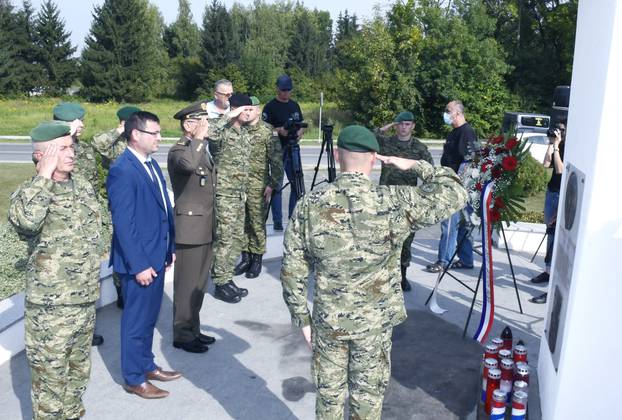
{"points": [[259, 367]]}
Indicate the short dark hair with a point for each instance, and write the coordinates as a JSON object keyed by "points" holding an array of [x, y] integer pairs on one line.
{"points": [[138, 121]]}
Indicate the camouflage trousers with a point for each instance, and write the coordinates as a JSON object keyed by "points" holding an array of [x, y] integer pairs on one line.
{"points": [[254, 240], [406, 252], [229, 233], [58, 349], [361, 366]]}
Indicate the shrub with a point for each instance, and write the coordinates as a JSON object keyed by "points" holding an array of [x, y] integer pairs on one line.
{"points": [[532, 177]]}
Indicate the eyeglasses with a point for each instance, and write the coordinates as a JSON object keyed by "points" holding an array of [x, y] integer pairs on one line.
{"points": [[153, 133], [227, 95]]}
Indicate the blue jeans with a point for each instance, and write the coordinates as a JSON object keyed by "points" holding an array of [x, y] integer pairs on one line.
{"points": [[453, 230], [277, 198], [551, 201]]}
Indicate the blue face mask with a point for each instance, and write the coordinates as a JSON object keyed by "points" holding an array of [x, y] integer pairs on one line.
{"points": [[447, 118]]}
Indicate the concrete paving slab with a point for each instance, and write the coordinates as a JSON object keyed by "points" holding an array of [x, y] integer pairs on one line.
{"points": [[259, 367]]}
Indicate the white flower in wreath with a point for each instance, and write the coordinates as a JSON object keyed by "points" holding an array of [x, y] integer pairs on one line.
{"points": [[475, 173], [475, 219]]}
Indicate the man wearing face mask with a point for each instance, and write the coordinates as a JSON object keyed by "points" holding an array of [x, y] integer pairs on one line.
{"points": [[404, 145], [456, 151]]}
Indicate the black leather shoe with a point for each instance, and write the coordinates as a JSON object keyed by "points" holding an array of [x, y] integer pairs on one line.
{"points": [[243, 265], [97, 340], [278, 226], [194, 346], [539, 299], [206, 339], [239, 290], [405, 285], [255, 267], [540, 278], [227, 293]]}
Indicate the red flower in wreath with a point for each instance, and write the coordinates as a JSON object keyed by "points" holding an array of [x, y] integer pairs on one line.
{"points": [[496, 172], [500, 150], [509, 163], [478, 186], [499, 204], [495, 215], [511, 143], [485, 167], [497, 140]]}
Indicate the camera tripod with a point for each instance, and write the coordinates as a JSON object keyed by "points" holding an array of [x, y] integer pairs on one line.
{"points": [[327, 144]]}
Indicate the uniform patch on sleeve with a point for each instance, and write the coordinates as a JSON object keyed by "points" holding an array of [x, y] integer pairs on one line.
{"points": [[328, 214]]}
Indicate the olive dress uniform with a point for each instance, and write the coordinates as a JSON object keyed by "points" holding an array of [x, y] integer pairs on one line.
{"points": [[192, 173]]}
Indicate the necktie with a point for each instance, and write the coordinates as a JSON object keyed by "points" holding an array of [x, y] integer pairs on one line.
{"points": [[153, 174]]}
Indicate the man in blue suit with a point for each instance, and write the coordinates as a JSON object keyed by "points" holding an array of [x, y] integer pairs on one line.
{"points": [[143, 249]]}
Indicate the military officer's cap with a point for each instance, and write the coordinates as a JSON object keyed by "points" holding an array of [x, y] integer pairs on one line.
{"points": [[68, 111], [357, 138], [50, 130], [197, 109], [255, 101], [404, 116], [239, 99], [125, 112]]}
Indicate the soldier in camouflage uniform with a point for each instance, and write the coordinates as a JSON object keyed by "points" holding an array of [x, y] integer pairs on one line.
{"points": [[265, 175], [351, 233], [85, 165], [58, 211], [109, 145], [403, 144], [231, 144]]}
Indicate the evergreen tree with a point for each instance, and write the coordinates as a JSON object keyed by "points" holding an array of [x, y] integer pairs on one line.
{"points": [[121, 60], [310, 41], [217, 38], [54, 50], [182, 37], [19, 72]]}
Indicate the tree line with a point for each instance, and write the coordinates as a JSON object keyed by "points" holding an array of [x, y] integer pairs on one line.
{"points": [[494, 55]]}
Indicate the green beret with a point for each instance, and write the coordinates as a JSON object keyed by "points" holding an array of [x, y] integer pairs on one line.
{"points": [[194, 110], [357, 138], [68, 111], [124, 113], [255, 101], [49, 130], [404, 116]]}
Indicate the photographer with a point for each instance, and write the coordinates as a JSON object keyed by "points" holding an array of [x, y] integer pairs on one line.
{"points": [[554, 158], [277, 112]]}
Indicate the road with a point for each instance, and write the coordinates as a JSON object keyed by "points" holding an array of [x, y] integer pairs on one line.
{"points": [[21, 152]]}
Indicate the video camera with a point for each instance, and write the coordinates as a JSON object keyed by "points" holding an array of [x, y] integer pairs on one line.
{"points": [[292, 126]]}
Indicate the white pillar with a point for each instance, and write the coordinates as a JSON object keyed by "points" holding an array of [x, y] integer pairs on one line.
{"points": [[581, 379]]}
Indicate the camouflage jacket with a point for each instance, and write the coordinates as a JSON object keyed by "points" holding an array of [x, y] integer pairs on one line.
{"points": [[231, 147], [266, 157], [109, 145], [86, 163], [412, 149], [351, 233], [64, 222]]}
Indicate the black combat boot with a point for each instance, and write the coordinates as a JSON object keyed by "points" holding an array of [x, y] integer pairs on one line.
{"points": [[243, 265], [97, 340], [239, 290], [405, 285], [227, 293], [255, 268], [120, 302]]}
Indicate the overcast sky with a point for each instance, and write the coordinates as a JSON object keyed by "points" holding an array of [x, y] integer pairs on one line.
{"points": [[78, 13]]}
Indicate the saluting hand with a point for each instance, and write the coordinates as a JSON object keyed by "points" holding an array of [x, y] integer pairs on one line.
{"points": [[202, 129], [387, 127], [47, 161], [398, 162]]}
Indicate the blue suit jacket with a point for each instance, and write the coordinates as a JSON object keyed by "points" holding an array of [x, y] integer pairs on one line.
{"points": [[144, 233]]}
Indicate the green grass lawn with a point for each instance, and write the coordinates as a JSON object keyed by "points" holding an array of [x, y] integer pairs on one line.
{"points": [[19, 116], [11, 175]]}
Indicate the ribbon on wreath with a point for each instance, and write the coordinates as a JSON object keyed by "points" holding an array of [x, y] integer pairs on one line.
{"points": [[488, 293]]}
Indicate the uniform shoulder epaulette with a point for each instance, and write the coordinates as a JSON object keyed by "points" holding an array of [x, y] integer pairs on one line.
{"points": [[183, 142]]}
